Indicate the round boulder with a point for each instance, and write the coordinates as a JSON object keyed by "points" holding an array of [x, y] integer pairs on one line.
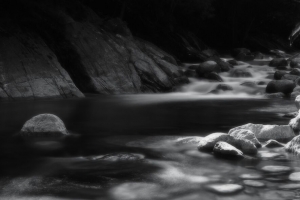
{"points": [[295, 72], [284, 86], [278, 62], [213, 76], [207, 67], [279, 74], [44, 125]]}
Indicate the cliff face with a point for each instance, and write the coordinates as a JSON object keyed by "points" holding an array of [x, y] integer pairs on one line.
{"points": [[55, 53]]}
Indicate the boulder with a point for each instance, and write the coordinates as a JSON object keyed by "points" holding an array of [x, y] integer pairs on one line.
{"points": [[294, 145], [278, 62], [207, 67], [279, 74], [295, 63], [240, 73], [213, 76], [284, 86], [289, 77], [267, 132], [208, 143], [233, 62], [226, 150], [44, 125], [295, 72], [273, 144], [224, 66], [246, 135], [295, 124], [297, 102]]}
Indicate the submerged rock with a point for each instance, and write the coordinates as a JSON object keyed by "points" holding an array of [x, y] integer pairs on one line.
{"points": [[118, 157], [276, 169], [224, 87], [273, 144], [224, 188], [278, 95], [284, 86], [44, 125], [249, 84], [268, 132], [291, 114], [253, 183], [226, 150], [294, 145], [245, 134], [278, 62]]}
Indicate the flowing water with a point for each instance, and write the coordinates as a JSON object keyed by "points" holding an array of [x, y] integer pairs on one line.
{"points": [[143, 146]]}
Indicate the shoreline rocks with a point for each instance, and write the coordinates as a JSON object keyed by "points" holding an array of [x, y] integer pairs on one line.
{"points": [[223, 149], [293, 146]]}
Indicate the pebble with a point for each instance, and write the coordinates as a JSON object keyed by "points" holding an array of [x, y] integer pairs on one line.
{"points": [[294, 176], [225, 188], [276, 169], [253, 183], [251, 176]]}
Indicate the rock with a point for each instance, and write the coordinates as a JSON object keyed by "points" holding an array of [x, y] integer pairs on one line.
{"points": [[224, 66], [281, 68], [294, 95], [294, 176], [191, 73], [30, 69], [249, 84], [295, 124], [213, 76], [278, 75], [295, 72], [207, 67], [297, 102], [44, 125], [284, 86], [253, 183], [290, 186], [268, 132], [276, 169], [251, 176], [208, 143], [273, 144], [278, 95], [291, 115], [295, 63], [118, 157], [220, 188], [294, 145], [233, 62], [289, 77], [261, 83], [240, 73], [224, 149], [246, 135], [278, 62], [224, 87]]}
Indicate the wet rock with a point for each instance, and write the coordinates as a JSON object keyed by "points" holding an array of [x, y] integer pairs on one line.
{"points": [[268, 132], [226, 150], [251, 176], [297, 102], [276, 169], [118, 157], [295, 63], [291, 186], [294, 176], [289, 77], [278, 62], [294, 145], [224, 87], [208, 143], [273, 144], [224, 188], [253, 183], [240, 73], [291, 115], [233, 62], [284, 86], [294, 95], [249, 84], [295, 124], [295, 72], [224, 66], [188, 141], [278, 95], [245, 135], [207, 67], [44, 125], [213, 76], [261, 83], [279, 74]]}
